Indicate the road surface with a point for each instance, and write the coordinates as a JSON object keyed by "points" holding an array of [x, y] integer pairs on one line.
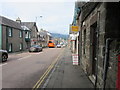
{"points": [[23, 70]]}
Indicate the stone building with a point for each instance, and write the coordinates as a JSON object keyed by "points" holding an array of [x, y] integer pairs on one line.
{"points": [[34, 31], [44, 37], [99, 42], [12, 35]]}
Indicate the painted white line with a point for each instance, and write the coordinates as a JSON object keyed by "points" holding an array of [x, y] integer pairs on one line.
{"points": [[24, 57], [3, 64]]}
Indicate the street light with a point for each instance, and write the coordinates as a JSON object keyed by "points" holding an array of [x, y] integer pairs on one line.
{"points": [[37, 18]]}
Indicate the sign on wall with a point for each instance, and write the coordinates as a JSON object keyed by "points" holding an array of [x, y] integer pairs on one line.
{"points": [[74, 28]]}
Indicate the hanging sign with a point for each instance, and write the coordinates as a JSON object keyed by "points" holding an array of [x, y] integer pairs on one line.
{"points": [[74, 28]]}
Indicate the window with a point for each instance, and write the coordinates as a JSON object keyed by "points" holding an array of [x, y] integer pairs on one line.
{"points": [[20, 46], [29, 35], [26, 34], [9, 32], [20, 34], [84, 41], [10, 47]]}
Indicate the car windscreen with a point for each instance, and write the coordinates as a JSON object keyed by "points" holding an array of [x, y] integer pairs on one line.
{"points": [[50, 42]]}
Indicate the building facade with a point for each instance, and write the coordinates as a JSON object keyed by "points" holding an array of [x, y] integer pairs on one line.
{"points": [[44, 37], [99, 42], [12, 36], [34, 31]]}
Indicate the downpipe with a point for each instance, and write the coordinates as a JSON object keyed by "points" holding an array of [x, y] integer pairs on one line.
{"points": [[106, 62]]}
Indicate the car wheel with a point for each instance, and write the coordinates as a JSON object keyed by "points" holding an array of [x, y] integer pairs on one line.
{"points": [[4, 57]]}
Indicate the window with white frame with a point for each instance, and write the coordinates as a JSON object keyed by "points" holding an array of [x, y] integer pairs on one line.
{"points": [[10, 47], [9, 32], [26, 34], [20, 46], [20, 33]]}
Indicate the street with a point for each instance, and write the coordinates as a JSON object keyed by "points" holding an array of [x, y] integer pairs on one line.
{"points": [[23, 70], [60, 44]]}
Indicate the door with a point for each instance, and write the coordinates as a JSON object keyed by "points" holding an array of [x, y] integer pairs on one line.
{"points": [[93, 47]]}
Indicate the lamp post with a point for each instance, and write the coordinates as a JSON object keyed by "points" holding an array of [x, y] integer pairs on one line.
{"points": [[38, 34]]}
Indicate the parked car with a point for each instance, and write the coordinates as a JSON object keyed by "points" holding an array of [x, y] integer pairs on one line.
{"points": [[35, 48], [3, 55], [58, 46]]}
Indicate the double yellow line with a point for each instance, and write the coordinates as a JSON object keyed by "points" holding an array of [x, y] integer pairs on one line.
{"points": [[39, 82]]}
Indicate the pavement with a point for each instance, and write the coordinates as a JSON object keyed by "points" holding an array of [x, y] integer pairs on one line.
{"points": [[67, 75]]}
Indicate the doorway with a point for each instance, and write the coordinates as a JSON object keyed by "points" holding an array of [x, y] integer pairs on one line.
{"points": [[93, 47]]}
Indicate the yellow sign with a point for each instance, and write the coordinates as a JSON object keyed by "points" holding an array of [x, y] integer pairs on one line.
{"points": [[74, 28]]}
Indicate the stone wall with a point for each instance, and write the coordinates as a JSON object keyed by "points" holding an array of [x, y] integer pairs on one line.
{"points": [[15, 40], [114, 50]]}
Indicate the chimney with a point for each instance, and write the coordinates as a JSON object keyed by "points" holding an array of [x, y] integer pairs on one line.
{"points": [[18, 20]]}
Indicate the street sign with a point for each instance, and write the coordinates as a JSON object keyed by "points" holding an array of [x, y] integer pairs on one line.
{"points": [[74, 28]]}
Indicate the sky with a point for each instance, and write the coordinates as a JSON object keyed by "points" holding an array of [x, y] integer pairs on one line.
{"points": [[57, 15]]}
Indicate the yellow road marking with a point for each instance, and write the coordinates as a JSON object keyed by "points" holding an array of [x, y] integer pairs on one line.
{"points": [[42, 76], [37, 85]]}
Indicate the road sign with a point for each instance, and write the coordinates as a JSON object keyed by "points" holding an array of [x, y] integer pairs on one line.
{"points": [[75, 59]]}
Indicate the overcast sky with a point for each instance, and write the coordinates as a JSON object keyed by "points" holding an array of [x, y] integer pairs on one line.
{"points": [[56, 14]]}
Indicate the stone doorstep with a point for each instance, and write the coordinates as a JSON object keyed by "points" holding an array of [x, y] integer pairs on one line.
{"points": [[92, 79]]}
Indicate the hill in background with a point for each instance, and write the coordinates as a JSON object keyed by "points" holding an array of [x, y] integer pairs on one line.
{"points": [[56, 35]]}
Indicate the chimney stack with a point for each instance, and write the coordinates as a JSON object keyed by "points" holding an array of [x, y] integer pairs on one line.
{"points": [[18, 20]]}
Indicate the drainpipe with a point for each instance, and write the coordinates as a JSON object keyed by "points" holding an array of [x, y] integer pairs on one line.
{"points": [[106, 62]]}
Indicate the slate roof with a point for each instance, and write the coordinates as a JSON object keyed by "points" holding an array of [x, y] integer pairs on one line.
{"points": [[87, 9], [29, 24], [11, 23]]}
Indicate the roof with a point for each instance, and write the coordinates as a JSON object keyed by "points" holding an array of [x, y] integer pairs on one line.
{"points": [[11, 23], [77, 11], [29, 24], [25, 28], [87, 9]]}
